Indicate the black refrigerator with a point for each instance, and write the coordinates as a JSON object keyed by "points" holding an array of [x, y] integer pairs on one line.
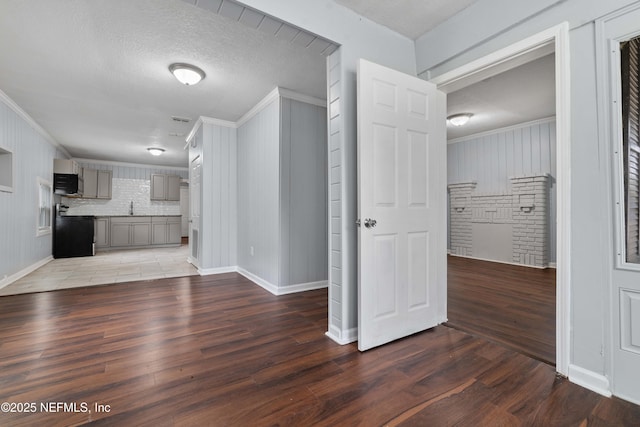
{"points": [[73, 236]]}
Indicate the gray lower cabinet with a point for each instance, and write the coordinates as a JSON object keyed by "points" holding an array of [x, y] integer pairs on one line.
{"points": [[102, 232], [127, 231], [165, 230]]}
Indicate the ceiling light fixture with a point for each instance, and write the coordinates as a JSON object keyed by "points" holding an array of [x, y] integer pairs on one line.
{"points": [[459, 119], [187, 74], [155, 151]]}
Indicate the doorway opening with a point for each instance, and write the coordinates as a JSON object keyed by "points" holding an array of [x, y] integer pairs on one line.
{"points": [[502, 209], [552, 41]]}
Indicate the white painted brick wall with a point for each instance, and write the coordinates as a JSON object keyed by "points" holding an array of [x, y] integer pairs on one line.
{"points": [[525, 208], [123, 192]]}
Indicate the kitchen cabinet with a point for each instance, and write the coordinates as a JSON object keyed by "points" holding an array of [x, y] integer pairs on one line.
{"points": [[165, 230], [165, 187], [66, 166], [102, 232], [130, 231], [119, 232], [97, 184]]}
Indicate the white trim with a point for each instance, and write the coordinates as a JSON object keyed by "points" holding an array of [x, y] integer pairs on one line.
{"points": [[342, 337], [27, 118], [264, 102], [559, 37], [484, 67], [218, 270], [500, 130], [590, 380], [274, 289], [20, 274], [500, 262], [276, 93], [218, 122], [130, 165], [208, 120], [259, 281], [192, 261], [307, 99], [302, 287]]}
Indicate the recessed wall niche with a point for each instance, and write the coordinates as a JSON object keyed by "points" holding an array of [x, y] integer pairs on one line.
{"points": [[6, 170]]}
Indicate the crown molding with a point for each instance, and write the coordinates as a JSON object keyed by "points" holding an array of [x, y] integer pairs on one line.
{"points": [[31, 122], [264, 102], [129, 165], [501, 130]]}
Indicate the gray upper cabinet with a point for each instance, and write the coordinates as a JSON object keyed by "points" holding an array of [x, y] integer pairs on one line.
{"points": [[97, 184], [165, 187]]}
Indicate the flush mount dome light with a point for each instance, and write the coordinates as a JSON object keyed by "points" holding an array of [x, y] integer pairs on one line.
{"points": [[155, 151], [459, 119], [186, 74]]}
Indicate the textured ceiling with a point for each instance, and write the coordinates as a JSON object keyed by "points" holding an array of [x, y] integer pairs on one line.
{"points": [[94, 73], [411, 18], [522, 94]]}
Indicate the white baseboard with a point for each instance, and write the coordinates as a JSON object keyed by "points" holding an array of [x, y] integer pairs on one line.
{"points": [[301, 287], [259, 281], [218, 270], [342, 337], [590, 380], [499, 262], [282, 290], [20, 274]]}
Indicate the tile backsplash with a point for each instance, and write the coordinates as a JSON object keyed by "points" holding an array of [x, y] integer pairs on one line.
{"points": [[123, 191]]}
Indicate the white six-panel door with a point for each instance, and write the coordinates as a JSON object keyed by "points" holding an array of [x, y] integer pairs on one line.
{"points": [[401, 205]]}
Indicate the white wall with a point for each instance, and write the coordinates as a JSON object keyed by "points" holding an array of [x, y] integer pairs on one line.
{"points": [[218, 220], [303, 193], [33, 156], [491, 158], [282, 195], [591, 202], [259, 192], [358, 38]]}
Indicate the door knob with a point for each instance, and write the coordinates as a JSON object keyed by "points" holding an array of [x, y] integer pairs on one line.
{"points": [[370, 223]]}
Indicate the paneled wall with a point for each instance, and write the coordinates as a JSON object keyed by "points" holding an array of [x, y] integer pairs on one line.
{"points": [[258, 193], [129, 183], [336, 291], [33, 158], [303, 193], [492, 158], [219, 224], [282, 196]]}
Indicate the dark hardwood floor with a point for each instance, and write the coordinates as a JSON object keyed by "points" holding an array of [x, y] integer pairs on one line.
{"points": [[512, 305], [221, 351]]}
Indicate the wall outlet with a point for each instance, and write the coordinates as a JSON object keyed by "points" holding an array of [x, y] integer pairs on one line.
{"points": [[251, 250]]}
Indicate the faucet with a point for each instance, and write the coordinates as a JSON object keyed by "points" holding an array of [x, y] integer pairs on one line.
{"points": [[131, 208]]}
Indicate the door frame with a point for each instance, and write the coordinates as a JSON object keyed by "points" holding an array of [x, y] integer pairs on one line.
{"points": [[554, 39]]}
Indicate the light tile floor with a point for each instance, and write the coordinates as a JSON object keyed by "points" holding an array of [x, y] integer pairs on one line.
{"points": [[105, 267]]}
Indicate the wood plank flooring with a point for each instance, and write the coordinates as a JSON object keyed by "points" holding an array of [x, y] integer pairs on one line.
{"points": [[221, 351], [512, 305]]}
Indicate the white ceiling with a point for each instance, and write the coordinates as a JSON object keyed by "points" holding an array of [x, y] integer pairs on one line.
{"points": [[411, 18], [519, 95], [94, 74]]}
